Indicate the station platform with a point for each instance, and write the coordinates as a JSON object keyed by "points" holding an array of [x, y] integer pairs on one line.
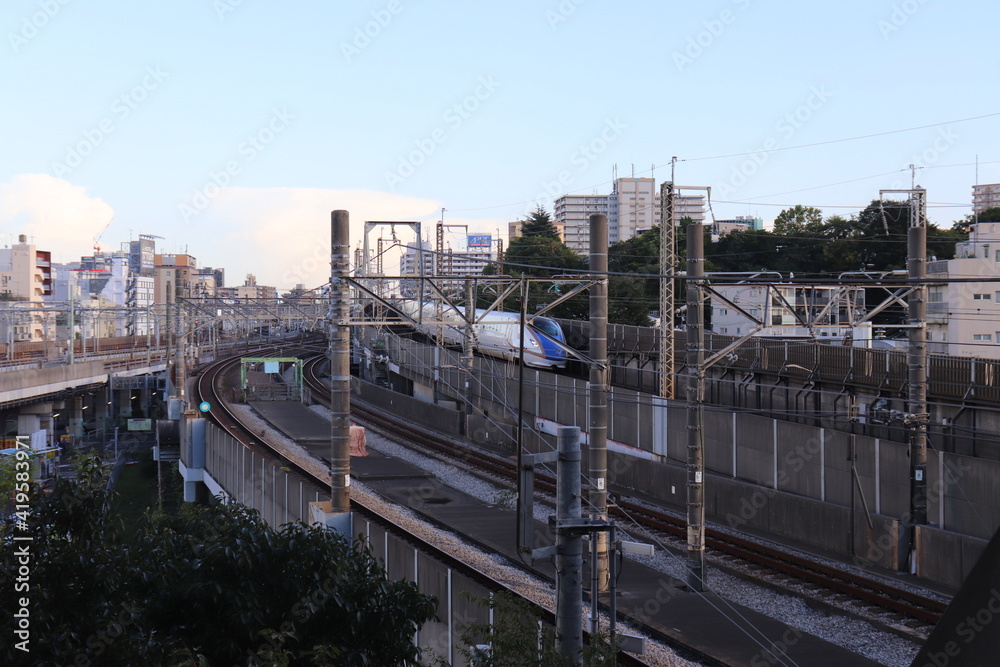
{"points": [[711, 629], [296, 421]]}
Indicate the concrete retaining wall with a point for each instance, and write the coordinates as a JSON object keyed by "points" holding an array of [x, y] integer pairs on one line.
{"points": [[428, 414], [805, 470]]}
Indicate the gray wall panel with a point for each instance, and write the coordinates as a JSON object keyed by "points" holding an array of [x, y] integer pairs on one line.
{"points": [[839, 482], [799, 460], [718, 441], [894, 471], [432, 579]]}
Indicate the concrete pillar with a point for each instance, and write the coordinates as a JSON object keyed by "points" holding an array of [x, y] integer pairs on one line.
{"points": [[33, 418], [28, 423], [102, 405], [75, 408], [123, 403]]}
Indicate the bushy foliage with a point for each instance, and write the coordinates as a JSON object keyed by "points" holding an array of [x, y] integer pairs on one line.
{"points": [[212, 585]]}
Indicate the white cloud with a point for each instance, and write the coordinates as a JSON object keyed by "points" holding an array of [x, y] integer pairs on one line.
{"points": [[282, 235], [54, 214]]}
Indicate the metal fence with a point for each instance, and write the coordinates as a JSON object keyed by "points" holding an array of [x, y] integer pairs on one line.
{"points": [[948, 377]]}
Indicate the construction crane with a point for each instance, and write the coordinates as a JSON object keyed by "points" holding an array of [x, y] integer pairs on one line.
{"points": [[97, 239]]}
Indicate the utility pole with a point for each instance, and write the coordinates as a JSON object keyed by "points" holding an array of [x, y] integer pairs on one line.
{"points": [[340, 370], [598, 432], [695, 391]]}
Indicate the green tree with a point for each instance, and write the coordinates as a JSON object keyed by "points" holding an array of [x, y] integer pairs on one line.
{"points": [[632, 297], [964, 225], [539, 225], [797, 220], [539, 253], [212, 585], [514, 639]]}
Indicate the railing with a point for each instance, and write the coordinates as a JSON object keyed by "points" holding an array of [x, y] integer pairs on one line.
{"points": [[947, 376]]}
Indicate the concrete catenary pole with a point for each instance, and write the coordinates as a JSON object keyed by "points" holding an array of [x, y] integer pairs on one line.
{"points": [[695, 391], [569, 548], [598, 434], [917, 364], [468, 359], [340, 364], [170, 338], [181, 353]]}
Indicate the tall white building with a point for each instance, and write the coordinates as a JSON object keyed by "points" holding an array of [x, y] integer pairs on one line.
{"points": [[963, 318], [25, 281], [632, 208], [572, 216]]}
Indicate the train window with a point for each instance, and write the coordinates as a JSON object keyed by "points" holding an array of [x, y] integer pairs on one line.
{"points": [[546, 326]]}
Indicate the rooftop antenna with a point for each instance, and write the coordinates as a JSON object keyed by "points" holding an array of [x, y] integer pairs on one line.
{"points": [[975, 209]]}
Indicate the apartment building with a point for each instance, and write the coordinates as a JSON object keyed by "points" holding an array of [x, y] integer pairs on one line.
{"points": [[963, 318], [985, 196], [632, 208], [25, 282]]}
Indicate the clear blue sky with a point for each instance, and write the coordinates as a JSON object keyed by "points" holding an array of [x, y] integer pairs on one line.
{"points": [[394, 110]]}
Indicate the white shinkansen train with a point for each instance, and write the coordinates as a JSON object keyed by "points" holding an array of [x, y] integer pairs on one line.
{"points": [[497, 334]]}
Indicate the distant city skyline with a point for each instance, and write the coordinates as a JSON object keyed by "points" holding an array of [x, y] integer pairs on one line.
{"points": [[232, 129]]}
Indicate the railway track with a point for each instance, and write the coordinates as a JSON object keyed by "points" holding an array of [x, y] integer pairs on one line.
{"points": [[835, 581], [206, 388]]}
